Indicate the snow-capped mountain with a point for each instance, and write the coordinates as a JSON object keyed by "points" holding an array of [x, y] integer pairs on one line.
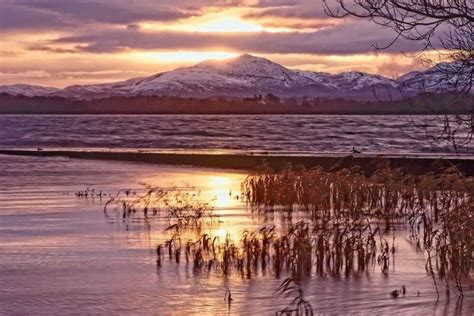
{"points": [[27, 90], [242, 76], [439, 78]]}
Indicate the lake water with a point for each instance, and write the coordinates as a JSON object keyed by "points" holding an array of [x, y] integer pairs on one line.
{"points": [[284, 134], [59, 254]]}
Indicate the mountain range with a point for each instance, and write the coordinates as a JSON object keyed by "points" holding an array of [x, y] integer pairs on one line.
{"points": [[245, 76]]}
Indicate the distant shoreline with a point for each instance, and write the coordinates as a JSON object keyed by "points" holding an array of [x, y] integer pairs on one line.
{"points": [[412, 164], [232, 114], [429, 104]]}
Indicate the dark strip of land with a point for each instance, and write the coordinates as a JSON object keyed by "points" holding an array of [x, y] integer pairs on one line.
{"points": [[368, 163], [425, 104]]}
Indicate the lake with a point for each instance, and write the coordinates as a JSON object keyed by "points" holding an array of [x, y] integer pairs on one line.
{"points": [[282, 134], [59, 254]]}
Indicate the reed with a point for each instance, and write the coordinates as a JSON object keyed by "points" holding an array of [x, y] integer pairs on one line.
{"points": [[187, 210], [129, 205], [346, 247], [183, 209], [349, 216], [298, 305], [89, 193], [438, 208]]}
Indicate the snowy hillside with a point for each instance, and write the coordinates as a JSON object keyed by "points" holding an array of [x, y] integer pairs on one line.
{"points": [[27, 90], [442, 77], [242, 76]]}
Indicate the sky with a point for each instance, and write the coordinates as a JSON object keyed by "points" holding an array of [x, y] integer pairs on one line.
{"points": [[65, 42]]}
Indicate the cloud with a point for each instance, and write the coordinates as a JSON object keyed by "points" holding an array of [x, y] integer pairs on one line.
{"points": [[96, 73], [17, 15], [133, 27], [298, 24], [75, 14], [289, 12], [397, 66], [63, 76], [14, 17], [50, 49], [64, 42], [99, 11], [9, 53], [98, 76], [83, 21], [30, 74], [302, 9], [350, 38], [276, 3]]}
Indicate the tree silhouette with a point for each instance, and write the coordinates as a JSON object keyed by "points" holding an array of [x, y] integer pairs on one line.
{"points": [[444, 26]]}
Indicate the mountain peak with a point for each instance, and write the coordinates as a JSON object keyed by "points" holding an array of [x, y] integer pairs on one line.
{"points": [[237, 61], [251, 59], [244, 65], [247, 56]]}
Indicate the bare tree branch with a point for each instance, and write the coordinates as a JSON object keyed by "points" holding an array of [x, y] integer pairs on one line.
{"points": [[446, 26]]}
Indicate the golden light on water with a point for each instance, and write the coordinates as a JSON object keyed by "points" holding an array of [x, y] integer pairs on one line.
{"points": [[219, 188], [222, 233], [224, 190]]}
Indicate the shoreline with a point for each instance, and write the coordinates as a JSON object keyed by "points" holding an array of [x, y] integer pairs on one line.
{"points": [[412, 164], [237, 113], [425, 104]]}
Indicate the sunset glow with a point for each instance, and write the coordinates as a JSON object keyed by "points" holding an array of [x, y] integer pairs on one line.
{"points": [[183, 56], [61, 44]]}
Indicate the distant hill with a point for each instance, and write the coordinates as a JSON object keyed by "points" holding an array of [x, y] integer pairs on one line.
{"points": [[28, 90], [245, 84], [246, 76]]}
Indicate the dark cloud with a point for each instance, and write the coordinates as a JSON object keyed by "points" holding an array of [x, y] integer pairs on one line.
{"points": [[277, 3], [7, 53], [120, 12], [298, 25], [75, 14], [13, 17], [293, 12], [50, 49], [133, 27], [301, 9], [358, 37]]}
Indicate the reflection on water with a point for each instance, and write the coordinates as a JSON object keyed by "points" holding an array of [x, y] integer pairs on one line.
{"points": [[58, 254]]}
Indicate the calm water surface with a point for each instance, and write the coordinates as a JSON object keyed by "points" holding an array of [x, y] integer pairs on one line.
{"points": [[294, 134], [58, 254]]}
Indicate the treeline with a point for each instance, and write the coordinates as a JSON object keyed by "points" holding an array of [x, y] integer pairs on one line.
{"points": [[423, 104]]}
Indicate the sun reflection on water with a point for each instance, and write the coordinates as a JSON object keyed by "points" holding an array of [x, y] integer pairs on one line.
{"points": [[220, 188], [223, 189]]}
